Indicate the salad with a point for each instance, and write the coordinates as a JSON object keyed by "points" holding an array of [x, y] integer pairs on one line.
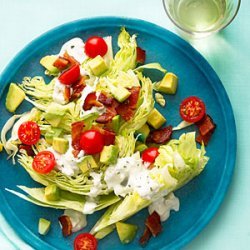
{"points": [[95, 140]]}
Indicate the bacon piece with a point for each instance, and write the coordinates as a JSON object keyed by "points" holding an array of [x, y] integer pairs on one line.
{"points": [[71, 59], [77, 88], [153, 222], [206, 125], [66, 225], [160, 136], [90, 101], [127, 109], [28, 149], [66, 94], [61, 63], [105, 99], [145, 237], [140, 55], [76, 131], [204, 138], [107, 116]]}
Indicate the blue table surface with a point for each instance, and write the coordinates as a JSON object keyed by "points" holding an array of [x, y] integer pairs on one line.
{"points": [[229, 54]]}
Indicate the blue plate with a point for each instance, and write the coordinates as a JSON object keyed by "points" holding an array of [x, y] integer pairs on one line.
{"points": [[199, 199]]}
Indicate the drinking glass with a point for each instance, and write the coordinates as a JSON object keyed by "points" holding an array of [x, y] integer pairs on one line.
{"points": [[201, 18]]}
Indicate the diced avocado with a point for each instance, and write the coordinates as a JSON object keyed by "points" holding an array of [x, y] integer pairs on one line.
{"points": [[1, 147], [54, 114], [52, 192], [141, 147], [168, 84], [60, 145], [109, 154], [159, 98], [47, 62], [126, 232], [43, 226], [104, 232], [54, 132], [120, 94], [87, 164], [116, 123], [143, 133], [156, 119], [98, 65], [14, 97]]}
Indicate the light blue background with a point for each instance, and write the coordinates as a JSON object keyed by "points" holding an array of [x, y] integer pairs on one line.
{"points": [[229, 54]]}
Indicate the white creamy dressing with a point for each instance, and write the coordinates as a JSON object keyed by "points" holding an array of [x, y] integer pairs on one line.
{"points": [[67, 163], [58, 93], [164, 205], [86, 91], [130, 175], [78, 219], [75, 48], [97, 186], [89, 206]]}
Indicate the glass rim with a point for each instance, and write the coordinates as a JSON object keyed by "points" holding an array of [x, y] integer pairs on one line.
{"points": [[206, 31]]}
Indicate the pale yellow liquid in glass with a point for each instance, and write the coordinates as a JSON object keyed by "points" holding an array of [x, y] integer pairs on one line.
{"points": [[199, 15]]}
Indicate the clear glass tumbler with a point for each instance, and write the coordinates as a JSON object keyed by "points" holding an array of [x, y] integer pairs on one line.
{"points": [[201, 18]]}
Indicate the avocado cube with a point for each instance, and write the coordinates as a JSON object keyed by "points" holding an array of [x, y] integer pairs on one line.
{"points": [[156, 119], [141, 147], [109, 154], [53, 119], [120, 94], [47, 62], [43, 226], [14, 97], [143, 133], [98, 65], [168, 84], [52, 193], [54, 132], [1, 147], [87, 163], [115, 123], [60, 145], [126, 232]]}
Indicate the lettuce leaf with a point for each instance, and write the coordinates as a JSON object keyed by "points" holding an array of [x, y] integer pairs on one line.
{"points": [[155, 66], [178, 162]]}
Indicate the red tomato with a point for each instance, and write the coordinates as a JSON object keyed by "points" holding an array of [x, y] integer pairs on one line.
{"points": [[95, 46], [91, 142], [70, 76], [150, 154], [140, 55], [29, 133], [44, 162], [192, 109], [85, 241]]}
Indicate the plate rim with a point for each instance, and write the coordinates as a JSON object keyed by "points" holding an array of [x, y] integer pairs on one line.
{"points": [[182, 45]]}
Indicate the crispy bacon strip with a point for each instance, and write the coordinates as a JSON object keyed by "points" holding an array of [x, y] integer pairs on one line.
{"points": [[90, 101], [61, 63], [140, 55], [28, 149], [160, 136], [206, 128], [107, 116], [66, 225], [206, 125], [77, 88], [105, 99], [145, 237], [127, 109], [153, 222], [109, 136], [71, 59], [76, 130], [67, 94]]}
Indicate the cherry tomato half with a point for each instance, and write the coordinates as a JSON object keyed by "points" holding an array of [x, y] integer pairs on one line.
{"points": [[91, 142], [44, 162], [29, 133], [150, 154], [85, 241], [192, 109], [95, 46], [70, 76]]}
